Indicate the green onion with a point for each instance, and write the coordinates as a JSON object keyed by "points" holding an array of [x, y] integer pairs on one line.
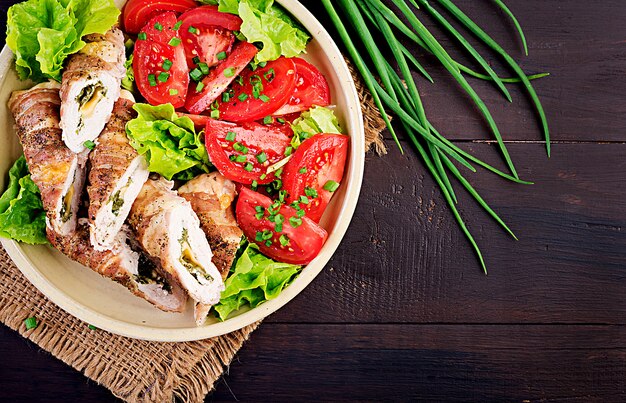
{"points": [[254, 185], [173, 91], [215, 114], [221, 56], [167, 64], [192, 29], [302, 170], [248, 167], [200, 86], [142, 36], [242, 97], [152, 80], [240, 158], [288, 151], [30, 323], [177, 25], [174, 42], [163, 76], [195, 74], [158, 27], [331, 186], [204, 68], [280, 120], [310, 192], [268, 120], [295, 221], [229, 72], [261, 157], [92, 327], [89, 144], [304, 200], [264, 98], [230, 136], [284, 240], [196, 60]]}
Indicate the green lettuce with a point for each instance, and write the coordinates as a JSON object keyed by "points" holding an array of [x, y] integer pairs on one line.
{"points": [[317, 120], [169, 142], [22, 216], [42, 33], [270, 25], [254, 280]]}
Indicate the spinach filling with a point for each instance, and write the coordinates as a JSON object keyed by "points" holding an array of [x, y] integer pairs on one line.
{"points": [[188, 259], [117, 200], [147, 274]]}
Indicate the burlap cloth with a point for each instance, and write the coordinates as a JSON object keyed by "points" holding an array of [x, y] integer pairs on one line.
{"points": [[134, 370]]}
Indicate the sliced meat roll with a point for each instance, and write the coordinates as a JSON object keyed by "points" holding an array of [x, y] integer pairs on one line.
{"points": [[168, 229], [56, 170], [122, 265], [211, 197], [115, 179], [90, 86]]}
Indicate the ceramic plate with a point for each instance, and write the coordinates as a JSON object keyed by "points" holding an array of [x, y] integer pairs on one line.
{"points": [[109, 306]]}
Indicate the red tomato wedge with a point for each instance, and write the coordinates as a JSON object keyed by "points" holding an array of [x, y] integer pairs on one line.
{"points": [[159, 62], [219, 78], [259, 93], [199, 121], [206, 32], [138, 12], [208, 15], [311, 89], [206, 42], [319, 160], [301, 242], [243, 152]]}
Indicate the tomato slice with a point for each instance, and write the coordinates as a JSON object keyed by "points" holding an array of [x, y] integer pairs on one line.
{"points": [[206, 43], [317, 161], [243, 152], [311, 89], [259, 93], [137, 13], [220, 78], [159, 62], [301, 242], [209, 15]]}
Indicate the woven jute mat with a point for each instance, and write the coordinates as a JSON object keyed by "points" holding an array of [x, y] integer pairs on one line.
{"points": [[134, 370]]}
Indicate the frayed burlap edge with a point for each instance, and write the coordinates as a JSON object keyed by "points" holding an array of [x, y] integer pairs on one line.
{"points": [[136, 370]]}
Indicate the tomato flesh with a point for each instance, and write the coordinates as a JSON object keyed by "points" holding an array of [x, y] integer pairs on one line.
{"points": [[137, 13], [319, 159], [206, 42], [304, 242], [259, 93], [218, 79], [311, 89], [254, 146], [159, 63], [209, 15]]}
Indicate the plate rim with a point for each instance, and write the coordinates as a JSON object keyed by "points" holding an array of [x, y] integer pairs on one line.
{"points": [[308, 274]]}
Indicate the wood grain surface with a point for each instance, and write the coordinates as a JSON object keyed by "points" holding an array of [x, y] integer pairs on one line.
{"points": [[402, 311]]}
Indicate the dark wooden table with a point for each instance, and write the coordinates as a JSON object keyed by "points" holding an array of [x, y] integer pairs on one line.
{"points": [[403, 311]]}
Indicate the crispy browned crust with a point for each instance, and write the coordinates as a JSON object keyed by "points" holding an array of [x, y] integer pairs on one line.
{"points": [[36, 114], [111, 157], [219, 225], [106, 263]]}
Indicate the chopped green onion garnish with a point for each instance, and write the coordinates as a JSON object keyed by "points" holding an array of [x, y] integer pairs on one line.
{"points": [[288, 151], [269, 75], [195, 74], [263, 176], [268, 120], [152, 80], [304, 200], [264, 98], [177, 25], [225, 96], [92, 327], [196, 60], [302, 170], [158, 27], [30, 323], [229, 72], [331, 186], [242, 97], [268, 243], [277, 184], [173, 91], [261, 157], [262, 64], [174, 41], [312, 193], [240, 158], [284, 240], [142, 36], [215, 114], [295, 221], [282, 195], [230, 136], [280, 120], [163, 76], [248, 167], [200, 86], [254, 186], [204, 68], [278, 227], [300, 213], [167, 64], [89, 144], [221, 56], [192, 29]]}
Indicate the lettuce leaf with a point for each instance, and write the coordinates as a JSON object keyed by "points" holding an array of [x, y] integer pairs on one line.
{"points": [[317, 120], [22, 216], [170, 143], [270, 25], [254, 280], [42, 33]]}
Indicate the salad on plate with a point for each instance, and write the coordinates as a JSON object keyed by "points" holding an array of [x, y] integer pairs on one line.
{"points": [[185, 150]]}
